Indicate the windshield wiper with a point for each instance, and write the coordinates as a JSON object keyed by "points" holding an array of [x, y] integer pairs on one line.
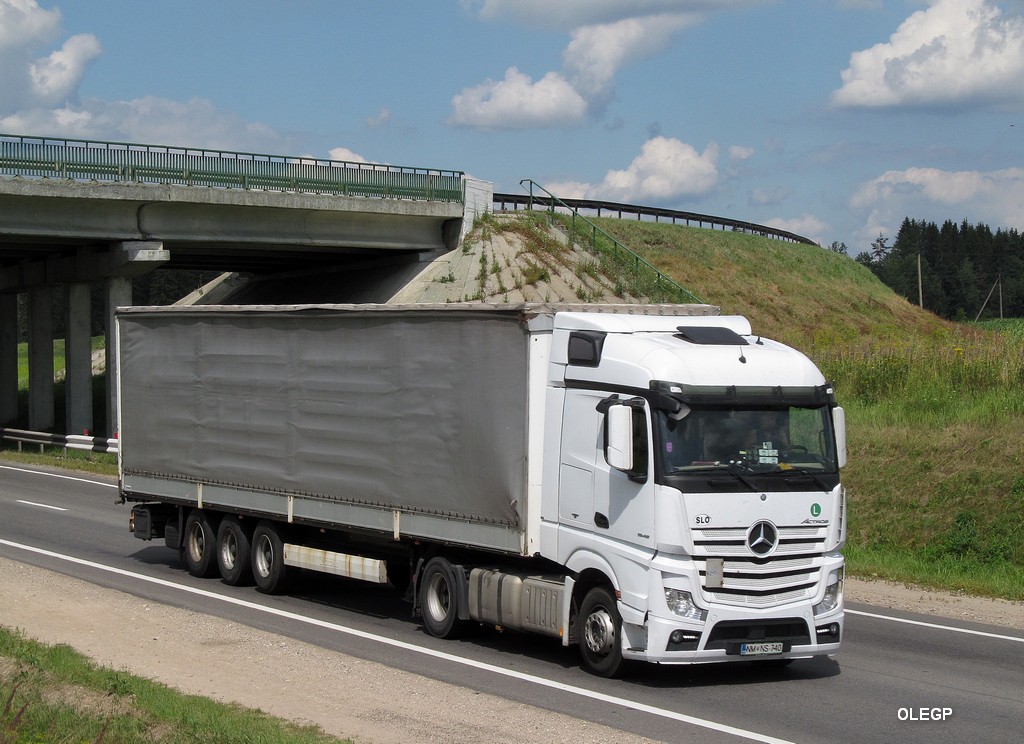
{"points": [[798, 472]]}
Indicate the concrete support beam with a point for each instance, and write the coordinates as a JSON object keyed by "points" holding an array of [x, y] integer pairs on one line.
{"points": [[8, 358], [78, 361], [40, 360], [119, 294], [137, 257]]}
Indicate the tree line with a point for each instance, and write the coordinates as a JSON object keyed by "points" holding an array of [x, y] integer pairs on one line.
{"points": [[963, 268]]}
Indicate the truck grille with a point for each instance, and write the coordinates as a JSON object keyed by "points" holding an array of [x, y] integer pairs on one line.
{"points": [[791, 572]]}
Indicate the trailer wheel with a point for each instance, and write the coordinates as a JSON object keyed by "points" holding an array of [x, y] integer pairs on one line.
{"points": [[600, 633], [439, 599], [233, 554], [200, 544], [268, 567]]}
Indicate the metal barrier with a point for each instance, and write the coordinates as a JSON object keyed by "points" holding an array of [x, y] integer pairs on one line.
{"points": [[120, 161], [44, 439], [657, 214]]}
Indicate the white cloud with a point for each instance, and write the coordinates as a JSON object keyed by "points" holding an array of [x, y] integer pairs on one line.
{"points": [[665, 169], [955, 51], [995, 198], [605, 36], [597, 52], [516, 102], [766, 197], [381, 119], [570, 14], [343, 153], [39, 93], [57, 76], [738, 152], [807, 226], [197, 122], [51, 80]]}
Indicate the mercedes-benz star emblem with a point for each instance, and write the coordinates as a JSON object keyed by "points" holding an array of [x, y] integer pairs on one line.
{"points": [[762, 538]]}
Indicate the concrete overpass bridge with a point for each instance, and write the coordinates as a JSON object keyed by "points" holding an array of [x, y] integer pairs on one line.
{"points": [[78, 214]]}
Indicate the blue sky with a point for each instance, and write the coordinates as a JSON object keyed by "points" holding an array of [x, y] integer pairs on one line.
{"points": [[834, 119]]}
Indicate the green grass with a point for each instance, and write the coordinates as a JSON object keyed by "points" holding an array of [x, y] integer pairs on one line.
{"points": [[59, 359], [54, 694]]}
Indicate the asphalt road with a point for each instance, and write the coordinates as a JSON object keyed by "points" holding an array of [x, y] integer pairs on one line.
{"points": [[896, 673]]}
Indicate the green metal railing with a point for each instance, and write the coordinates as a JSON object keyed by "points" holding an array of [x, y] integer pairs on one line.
{"points": [[647, 279], [121, 161]]}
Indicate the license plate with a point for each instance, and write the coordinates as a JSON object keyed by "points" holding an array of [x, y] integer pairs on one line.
{"points": [[759, 649]]}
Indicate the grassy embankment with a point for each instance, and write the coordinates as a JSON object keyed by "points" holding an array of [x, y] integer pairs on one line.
{"points": [[934, 409], [54, 694]]}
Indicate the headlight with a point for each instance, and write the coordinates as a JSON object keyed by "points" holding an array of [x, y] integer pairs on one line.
{"points": [[681, 603], [833, 594]]}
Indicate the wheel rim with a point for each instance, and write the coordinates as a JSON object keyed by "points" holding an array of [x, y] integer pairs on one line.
{"points": [[229, 550], [264, 556], [196, 543], [599, 632], [439, 600]]}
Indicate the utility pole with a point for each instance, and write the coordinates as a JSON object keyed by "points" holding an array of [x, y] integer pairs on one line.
{"points": [[920, 284]]}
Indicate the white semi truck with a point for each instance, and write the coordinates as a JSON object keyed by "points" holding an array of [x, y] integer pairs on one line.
{"points": [[649, 483]]}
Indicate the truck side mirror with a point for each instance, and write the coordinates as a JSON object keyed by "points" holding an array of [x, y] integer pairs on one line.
{"points": [[619, 440], [626, 438], [839, 421]]}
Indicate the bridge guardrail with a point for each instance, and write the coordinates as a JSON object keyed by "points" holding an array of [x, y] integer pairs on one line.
{"points": [[655, 213], [126, 162], [44, 439]]}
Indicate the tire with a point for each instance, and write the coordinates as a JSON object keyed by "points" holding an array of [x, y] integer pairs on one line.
{"points": [[200, 546], [439, 599], [600, 633], [267, 552], [234, 559]]}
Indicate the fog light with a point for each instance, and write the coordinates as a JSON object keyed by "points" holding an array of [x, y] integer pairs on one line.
{"points": [[683, 640], [831, 630], [681, 603]]}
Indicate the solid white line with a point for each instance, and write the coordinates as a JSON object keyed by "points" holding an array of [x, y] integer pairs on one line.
{"points": [[58, 475], [571, 689], [43, 506], [937, 626]]}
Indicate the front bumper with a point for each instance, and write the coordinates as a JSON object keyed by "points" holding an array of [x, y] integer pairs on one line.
{"points": [[721, 638]]}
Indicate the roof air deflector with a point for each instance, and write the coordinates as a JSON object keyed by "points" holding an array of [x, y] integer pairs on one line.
{"points": [[711, 336]]}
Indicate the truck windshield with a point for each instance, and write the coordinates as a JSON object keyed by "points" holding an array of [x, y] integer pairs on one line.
{"points": [[747, 440]]}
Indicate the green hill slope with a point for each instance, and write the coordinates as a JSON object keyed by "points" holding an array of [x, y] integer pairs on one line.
{"points": [[936, 473]]}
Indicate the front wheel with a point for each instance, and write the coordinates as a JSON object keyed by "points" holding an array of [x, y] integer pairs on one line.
{"points": [[268, 569], [600, 633]]}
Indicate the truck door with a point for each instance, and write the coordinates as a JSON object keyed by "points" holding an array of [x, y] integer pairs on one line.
{"points": [[624, 504]]}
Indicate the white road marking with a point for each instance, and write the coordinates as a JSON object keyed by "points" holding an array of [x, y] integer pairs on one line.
{"points": [[42, 506], [58, 475], [532, 679], [936, 626]]}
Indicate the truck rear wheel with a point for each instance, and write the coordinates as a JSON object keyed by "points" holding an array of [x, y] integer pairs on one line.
{"points": [[233, 554], [439, 599], [200, 544], [600, 633], [268, 569]]}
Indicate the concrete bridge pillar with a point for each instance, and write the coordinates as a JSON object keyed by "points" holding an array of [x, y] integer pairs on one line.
{"points": [[78, 360], [119, 294], [40, 359], [8, 358]]}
